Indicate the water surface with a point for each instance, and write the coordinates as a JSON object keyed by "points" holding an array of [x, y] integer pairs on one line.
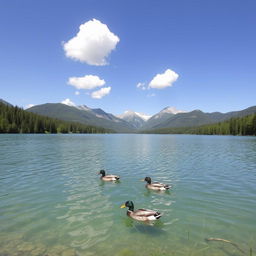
{"points": [[53, 203]]}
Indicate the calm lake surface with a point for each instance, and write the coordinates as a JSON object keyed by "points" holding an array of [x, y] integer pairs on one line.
{"points": [[53, 203]]}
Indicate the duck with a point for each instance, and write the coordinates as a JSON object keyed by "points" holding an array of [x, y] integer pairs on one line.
{"points": [[109, 177], [140, 214], [156, 185]]}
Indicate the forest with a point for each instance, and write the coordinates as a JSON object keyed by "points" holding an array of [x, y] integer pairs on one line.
{"points": [[16, 120], [235, 126]]}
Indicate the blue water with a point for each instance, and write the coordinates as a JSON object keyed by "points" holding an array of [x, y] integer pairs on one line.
{"points": [[53, 203]]}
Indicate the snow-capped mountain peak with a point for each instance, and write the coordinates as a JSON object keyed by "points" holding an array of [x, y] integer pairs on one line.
{"points": [[68, 102], [83, 107], [172, 110], [130, 114], [134, 118], [166, 112], [143, 116]]}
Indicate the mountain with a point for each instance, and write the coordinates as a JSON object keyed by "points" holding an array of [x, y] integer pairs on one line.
{"points": [[132, 121], [97, 112], [82, 114], [196, 118], [161, 117], [16, 120], [5, 102], [241, 113], [137, 120]]}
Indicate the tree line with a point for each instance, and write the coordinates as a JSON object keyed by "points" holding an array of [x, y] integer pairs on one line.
{"points": [[235, 126], [16, 120]]}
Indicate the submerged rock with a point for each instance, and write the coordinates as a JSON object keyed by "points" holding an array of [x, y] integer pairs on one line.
{"points": [[69, 252], [55, 250], [39, 250], [25, 247]]}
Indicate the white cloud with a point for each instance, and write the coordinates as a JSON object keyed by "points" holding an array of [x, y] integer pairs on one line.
{"points": [[29, 106], [92, 44], [77, 93], [141, 86], [86, 82], [161, 81], [101, 93], [68, 102]]}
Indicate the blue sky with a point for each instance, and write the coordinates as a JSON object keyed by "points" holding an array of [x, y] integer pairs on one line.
{"points": [[209, 45]]}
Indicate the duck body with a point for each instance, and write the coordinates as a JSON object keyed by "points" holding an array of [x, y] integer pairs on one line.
{"points": [[156, 185], [141, 214], [109, 177]]}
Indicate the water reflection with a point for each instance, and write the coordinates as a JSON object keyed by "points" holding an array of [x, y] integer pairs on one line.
{"points": [[149, 229], [149, 193], [50, 194], [103, 183], [152, 228]]}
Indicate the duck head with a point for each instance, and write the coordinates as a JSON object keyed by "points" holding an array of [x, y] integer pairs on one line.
{"points": [[129, 205], [148, 180], [102, 172]]}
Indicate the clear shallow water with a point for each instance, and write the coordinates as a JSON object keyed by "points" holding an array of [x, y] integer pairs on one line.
{"points": [[53, 203]]}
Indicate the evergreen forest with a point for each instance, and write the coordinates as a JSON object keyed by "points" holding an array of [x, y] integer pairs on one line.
{"points": [[235, 126], [16, 120]]}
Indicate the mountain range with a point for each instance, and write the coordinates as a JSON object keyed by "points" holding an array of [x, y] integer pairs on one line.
{"points": [[136, 119], [83, 114], [132, 121]]}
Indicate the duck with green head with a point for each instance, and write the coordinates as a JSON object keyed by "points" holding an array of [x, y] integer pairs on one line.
{"points": [[140, 214], [108, 177], [156, 185]]}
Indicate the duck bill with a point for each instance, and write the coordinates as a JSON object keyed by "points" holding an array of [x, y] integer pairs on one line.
{"points": [[122, 206], [142, 180]]}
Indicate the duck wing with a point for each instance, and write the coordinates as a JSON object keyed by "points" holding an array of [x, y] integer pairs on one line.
{"points": [[112, 177], [160, 185], [144, 212], [145, 215]]}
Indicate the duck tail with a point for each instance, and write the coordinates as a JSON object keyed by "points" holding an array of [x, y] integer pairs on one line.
{"points": [[157, 215], [117, 177], [167, 187]]}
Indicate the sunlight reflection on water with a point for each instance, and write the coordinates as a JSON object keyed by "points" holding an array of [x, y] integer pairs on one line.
{"points": [[53, 202]]}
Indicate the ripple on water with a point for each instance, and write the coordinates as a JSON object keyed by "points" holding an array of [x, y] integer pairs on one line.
{"points": [[50, 192], [83, 211]]}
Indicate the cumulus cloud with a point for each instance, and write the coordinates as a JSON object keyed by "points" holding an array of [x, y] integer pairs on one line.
{"points": [[101, 93], [161, 81], [86, 82], [92, 44], [77, 93], [141, 86], [68, 102]]}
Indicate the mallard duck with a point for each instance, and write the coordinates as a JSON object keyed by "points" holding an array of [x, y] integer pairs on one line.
{"points": [[140, 214], [155, 185], [109, 177]]}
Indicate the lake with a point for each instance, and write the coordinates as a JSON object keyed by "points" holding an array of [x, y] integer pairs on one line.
{"points": [[52, 202]]}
